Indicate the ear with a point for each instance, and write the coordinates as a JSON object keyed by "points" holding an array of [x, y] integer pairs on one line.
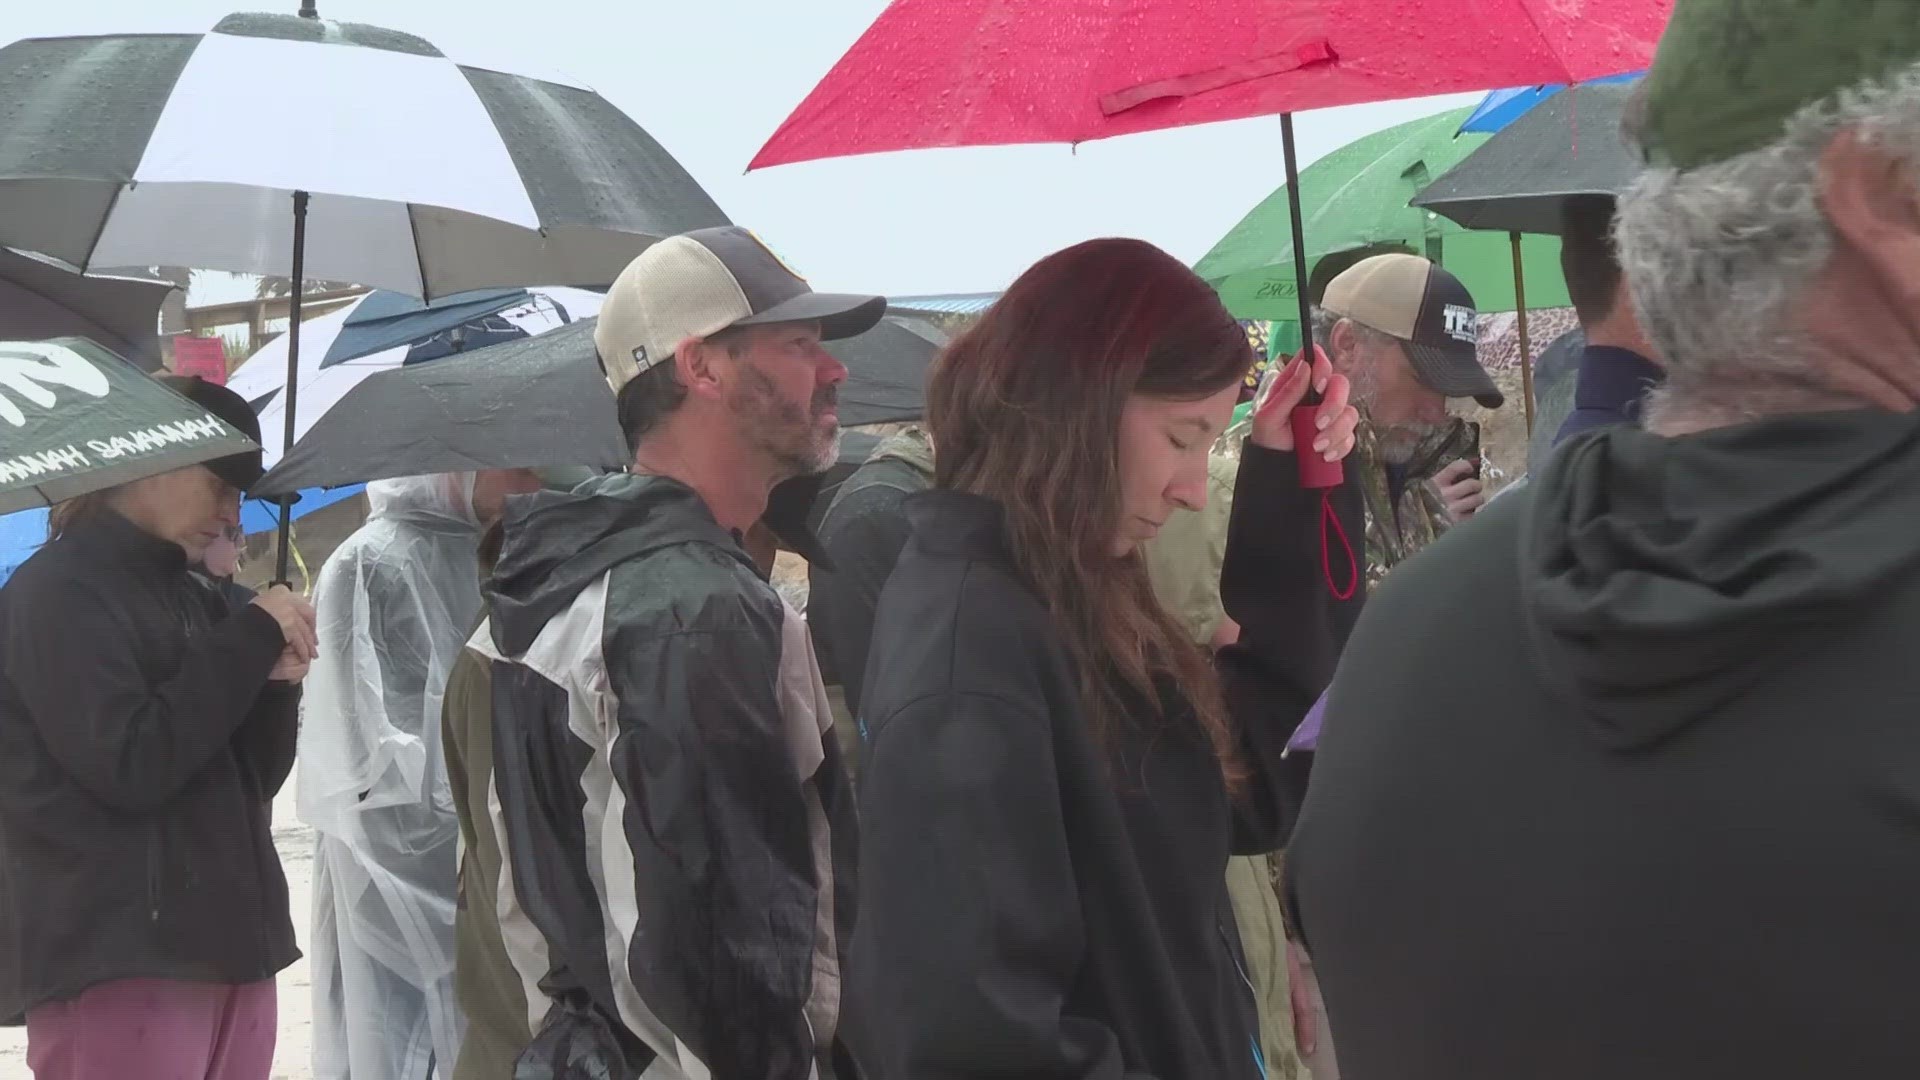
{"points": [[1873, 204], [1865, 305], [694, 362], [1340, 347]]}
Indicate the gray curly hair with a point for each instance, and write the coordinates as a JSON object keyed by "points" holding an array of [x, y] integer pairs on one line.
{"points": [[1717, 257]]}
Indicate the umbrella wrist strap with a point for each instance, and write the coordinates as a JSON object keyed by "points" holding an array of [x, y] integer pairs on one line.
{"points": [[1334, 535]]}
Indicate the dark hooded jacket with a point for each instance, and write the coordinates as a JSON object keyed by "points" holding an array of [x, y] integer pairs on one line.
{"points": [[1622, 778], [141, 746], [668, 791], [1037, 903]]}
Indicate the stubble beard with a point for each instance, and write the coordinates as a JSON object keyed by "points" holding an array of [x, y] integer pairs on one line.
{"points": [[791, 437]]}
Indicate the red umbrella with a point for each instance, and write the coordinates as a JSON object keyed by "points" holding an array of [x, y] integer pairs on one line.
{"points": [[993, 72]]}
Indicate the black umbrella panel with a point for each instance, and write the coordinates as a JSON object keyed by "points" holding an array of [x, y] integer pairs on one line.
{"points": [[1568, 145], [41, 299], [543, 401]]}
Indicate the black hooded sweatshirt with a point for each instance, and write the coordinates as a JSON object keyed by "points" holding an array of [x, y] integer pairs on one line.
{"points": [[1622, 779], [1038, 903]]}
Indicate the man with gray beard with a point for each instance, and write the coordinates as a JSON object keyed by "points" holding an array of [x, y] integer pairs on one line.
{"points": [[676, 828], [1622, 778], [1404, 330]]}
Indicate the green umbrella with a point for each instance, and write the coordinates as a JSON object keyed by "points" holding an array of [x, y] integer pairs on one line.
{"points": [[1356, 198], [76, 418]]}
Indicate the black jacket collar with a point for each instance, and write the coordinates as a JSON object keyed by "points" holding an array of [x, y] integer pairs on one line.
{"points": [[960, 525], [113, 537]]}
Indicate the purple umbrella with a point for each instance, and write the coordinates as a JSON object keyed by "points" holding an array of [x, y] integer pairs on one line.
{"points": [[1307, 735]]}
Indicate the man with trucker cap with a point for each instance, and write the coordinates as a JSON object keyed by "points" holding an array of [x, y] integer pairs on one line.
{"points": [[677, 831], [1405, 331]]}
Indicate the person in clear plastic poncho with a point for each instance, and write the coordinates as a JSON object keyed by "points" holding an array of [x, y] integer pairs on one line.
{"points": [[395, 603]]}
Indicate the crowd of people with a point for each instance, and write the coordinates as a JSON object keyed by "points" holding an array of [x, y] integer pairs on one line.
{"points": [[1116, 740]]}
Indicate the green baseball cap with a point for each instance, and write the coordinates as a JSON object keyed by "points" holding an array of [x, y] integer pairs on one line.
{"points": [[1729, 74]]}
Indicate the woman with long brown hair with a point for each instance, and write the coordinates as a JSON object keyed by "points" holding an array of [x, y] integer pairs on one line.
{"points": [[1056, 776]]}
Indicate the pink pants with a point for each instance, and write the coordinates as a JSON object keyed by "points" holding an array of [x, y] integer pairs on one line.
{"points": [[156, 1029]]}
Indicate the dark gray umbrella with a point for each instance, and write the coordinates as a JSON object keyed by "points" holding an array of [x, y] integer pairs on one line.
{"points": [[544, 401], [41, 299], [529, 403], [1569, 144], [75, 418]]}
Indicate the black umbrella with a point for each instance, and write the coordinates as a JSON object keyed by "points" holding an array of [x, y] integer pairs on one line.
{"points": [[75, 418], [544, 401], [434, 177], [534, 402], [42, 299], [1569, 144], [887, 370]]}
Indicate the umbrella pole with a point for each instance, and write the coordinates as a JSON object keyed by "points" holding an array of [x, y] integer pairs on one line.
{"points": [[1526, 352], [1299, 243], [298, 286]]}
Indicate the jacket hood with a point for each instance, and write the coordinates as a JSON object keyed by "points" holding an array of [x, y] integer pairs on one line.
{"points": [[444, 499], [1661, 576], [558, 543]]}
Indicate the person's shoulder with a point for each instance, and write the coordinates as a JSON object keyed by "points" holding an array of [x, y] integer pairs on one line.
{"points": [[689, 587]]}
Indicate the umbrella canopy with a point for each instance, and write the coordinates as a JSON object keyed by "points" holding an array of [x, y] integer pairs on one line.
{"points": [[385, 330], [887, 370], [539, 401], [1568, 145], [41, 299], [544, 401], [75, 418], [1356, 197], [1503, 107], [427, 176], [984, 72]]}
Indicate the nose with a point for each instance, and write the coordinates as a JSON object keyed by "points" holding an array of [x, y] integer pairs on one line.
{"points": [[829, 369], [1189, 487], [230, 510]]}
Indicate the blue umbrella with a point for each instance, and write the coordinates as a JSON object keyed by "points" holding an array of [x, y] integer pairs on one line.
{"points": [[1503, 107]]}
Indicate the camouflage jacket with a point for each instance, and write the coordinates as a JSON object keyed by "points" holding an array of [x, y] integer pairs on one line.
{"points": [[1398, 529]]}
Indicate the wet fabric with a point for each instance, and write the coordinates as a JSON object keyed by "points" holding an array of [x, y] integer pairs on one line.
{"points": [[1184, 559], [488, 988], [141, 745], [1035, 904], [677, 832], [1613, 384], [1650, 804], [156, 1028], [395, 602]]}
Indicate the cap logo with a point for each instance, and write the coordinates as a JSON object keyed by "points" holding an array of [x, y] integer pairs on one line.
{"points": [[1459, 323], [640, 355], [775, 256]]}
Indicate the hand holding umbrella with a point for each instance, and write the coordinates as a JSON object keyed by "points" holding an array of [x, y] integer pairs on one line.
{"points": [[1283, 420]]}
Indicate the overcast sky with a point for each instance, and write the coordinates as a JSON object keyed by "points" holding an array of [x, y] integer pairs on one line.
{"points": [[711, 79]]}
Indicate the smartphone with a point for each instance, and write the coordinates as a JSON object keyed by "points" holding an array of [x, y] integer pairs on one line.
{"points": [[1472, 448]]}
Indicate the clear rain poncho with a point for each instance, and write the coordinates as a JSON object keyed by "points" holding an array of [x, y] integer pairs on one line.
{"points": [[396, 603]]}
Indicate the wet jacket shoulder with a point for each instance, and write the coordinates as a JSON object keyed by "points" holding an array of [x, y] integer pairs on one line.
{"points": [[140, 748], [652, 678], [863, 529]]}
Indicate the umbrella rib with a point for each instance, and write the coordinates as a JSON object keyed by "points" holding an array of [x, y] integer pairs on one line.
{"points": [[94, 244]]}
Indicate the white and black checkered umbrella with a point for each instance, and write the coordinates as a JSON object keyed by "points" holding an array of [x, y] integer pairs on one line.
{"points": [[409, 171], [427, 176]]}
